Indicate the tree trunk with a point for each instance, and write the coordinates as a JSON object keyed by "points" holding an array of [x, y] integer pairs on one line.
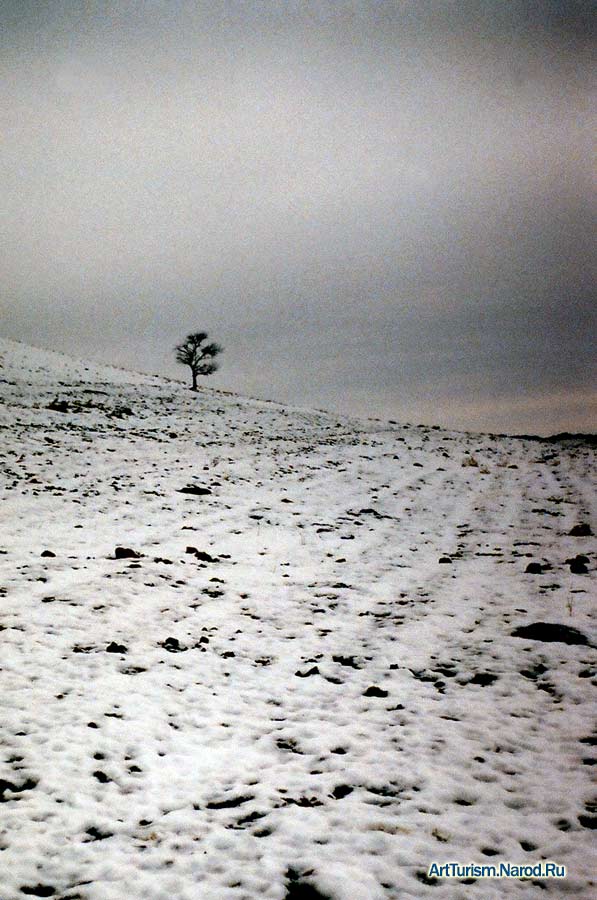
{"points": [[194, 387]]}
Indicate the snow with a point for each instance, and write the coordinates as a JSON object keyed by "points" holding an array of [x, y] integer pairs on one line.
{"points": [[338, 708]]}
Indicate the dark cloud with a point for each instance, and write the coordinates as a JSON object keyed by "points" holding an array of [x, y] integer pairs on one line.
{"points": [[376, 206]]}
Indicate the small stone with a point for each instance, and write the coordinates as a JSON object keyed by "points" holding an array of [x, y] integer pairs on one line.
{"points": [[578, 568], [101, 776], [312, 671], [48, 554], [341, 791], [194, 490], [551, 631], [483, 679], [113, 647], [534, 568], [445, 560], [582, 530], [375, 691], [172, 645], [126, 553]]}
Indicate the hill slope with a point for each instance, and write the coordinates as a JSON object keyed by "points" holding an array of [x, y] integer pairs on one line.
{"points": [[306, 674]]}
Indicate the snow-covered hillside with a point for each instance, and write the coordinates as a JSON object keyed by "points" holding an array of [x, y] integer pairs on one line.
{"points": [[300, 674]]}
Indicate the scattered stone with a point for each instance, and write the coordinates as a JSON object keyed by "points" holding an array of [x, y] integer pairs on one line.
{"points": [[445, 560], [375, 691], [201, 555], [5, 785], [534, 568], [551, 631], [577, 567], [58, 405], [301, 890], [126, 553], [528, 847], [101, 776], [589, 819], [96, 834], [230, 804], [369, 512], [39, 890], [195, 490], [48, 554], [582, 530], [312, 671], [483, 679], [347, 661], [341, 791], [113, 647], [172, 645]]}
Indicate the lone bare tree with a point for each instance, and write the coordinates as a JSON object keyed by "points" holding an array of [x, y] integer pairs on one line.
{"points": [[197, 355]]}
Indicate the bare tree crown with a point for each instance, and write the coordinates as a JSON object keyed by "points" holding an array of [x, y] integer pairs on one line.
{"points": [[198, 355]]}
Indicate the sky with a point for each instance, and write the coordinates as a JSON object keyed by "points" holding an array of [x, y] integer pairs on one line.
{"points": [[378, 208]]}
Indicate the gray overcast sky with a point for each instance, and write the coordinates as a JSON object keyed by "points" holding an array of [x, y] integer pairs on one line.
{"points": [[382, 208]]}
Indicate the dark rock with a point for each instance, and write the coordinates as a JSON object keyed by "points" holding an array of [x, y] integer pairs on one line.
{"points": [[101, 776], [341, 791], [305, 802], [312, 671], [58, 405], [301, 890], [483, 678], [97, 835], [582, 530], [347, 661], [551, 631], [202, 556], [113, 647], [40, 890], [126, 553], [172, 645], [578, 568], [5, 785], [375, 691], [444, 560], [369, 512], [534, 568], [195, 490], [48, 554], [230, 804], [579, 558]]}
